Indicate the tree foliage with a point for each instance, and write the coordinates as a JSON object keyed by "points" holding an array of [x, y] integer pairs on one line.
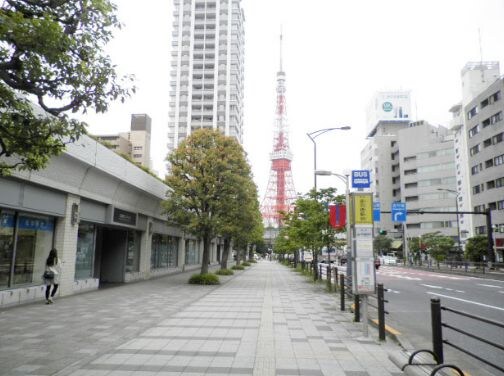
{"points": [[438, 245], [382, 244], [476, 248], [211, 189], [52, 52], [307, 226]]}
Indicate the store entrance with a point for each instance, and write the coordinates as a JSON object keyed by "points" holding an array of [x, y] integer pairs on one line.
{"points": [[111, 255]]}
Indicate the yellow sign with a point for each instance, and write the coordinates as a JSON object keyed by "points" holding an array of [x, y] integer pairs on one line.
{"points": [[362, 205]]}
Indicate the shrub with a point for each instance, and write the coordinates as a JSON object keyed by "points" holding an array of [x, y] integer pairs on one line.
{"points": [[245, 263], [252, 261], [238, 267], [204, 279], [224, 272]]}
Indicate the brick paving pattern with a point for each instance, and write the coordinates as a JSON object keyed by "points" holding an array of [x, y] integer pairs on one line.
{"points": [[266, 320]]}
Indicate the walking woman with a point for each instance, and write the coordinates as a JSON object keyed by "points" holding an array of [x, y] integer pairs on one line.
{"points": [[52, 275]]}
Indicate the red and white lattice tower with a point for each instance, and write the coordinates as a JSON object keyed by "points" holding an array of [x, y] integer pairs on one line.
{"points": [[280, 194]]}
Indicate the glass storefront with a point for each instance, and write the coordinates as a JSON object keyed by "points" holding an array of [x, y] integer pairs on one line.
{"points": [[6, 246], [31, 236], [133, 252], [164, 251], [191, 252], [84, 258]]}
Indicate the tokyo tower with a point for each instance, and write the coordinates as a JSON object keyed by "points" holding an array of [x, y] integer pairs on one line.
{"points": [[280, 194]]}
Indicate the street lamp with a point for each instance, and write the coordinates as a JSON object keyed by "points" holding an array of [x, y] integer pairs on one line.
{"points": [[312, 136], [456, 212], [345, 179]]}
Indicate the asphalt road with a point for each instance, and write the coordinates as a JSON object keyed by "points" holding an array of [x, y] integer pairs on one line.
{"points": [[409, 307]]}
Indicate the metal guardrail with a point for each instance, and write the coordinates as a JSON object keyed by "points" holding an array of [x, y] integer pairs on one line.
{"points": [[437, 333]]}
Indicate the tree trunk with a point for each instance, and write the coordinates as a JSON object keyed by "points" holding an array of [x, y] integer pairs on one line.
{"points": [[225, 252], [238, 256], [250, 252], [206, 254]]}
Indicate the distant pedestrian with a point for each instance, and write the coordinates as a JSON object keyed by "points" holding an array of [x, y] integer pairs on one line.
{"points": [[52, 275]]}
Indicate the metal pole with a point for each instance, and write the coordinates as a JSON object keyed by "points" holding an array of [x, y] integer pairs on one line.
{"points": [[357, 308], [437, 329], [329, 281], [381, 312], [314, 161], [342, 292], [490, 246], [335, 279], [458, 224], [348, 229], [365, 315]]}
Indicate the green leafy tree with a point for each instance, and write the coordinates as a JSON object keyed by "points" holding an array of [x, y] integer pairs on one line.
{"points": [[206, 175], [438, 245], [52, 52], [476, 247], [382, 244], [242, 222], [308, 225]]}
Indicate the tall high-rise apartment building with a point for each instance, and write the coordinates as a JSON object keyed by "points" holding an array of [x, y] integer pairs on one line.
{"points": [[207, 69]]}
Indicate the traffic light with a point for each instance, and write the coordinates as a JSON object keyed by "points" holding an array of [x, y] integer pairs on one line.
{"points": [[383, 232]]}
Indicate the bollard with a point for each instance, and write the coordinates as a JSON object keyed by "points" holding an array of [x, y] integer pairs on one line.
{"points": [[320, 272], [437, 329], [335, 279], [342, 291], [328, 271], [381, 312], [356, 308]]}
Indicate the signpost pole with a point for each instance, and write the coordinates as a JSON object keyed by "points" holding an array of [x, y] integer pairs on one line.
{"points": [[365, 315]]}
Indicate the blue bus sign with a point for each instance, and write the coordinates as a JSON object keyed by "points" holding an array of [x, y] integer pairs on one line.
{"points": [[376, 211], [361, 179]]}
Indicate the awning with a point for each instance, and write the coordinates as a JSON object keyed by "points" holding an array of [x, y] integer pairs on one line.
{"points": [[396, 244]]}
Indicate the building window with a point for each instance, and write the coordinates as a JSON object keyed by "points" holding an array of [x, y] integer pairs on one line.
{"points": [[137, 147], [137, 155], [472, 112], [479, 208], [495, 97], [411, 185], [500, 205], [499, 182], [164, 251], [474, 131], [191, 252], [480, 230], [489, 163], [33, 241], [487, 142], [496, 118], [498, 138], [410, 172], [409, 159], [411, 198], [133, 252], [499, 160], [474, 150], [84, 257]]}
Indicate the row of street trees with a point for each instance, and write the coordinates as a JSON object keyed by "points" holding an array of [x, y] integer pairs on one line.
{"points": [[212, 193], [307, 227], [436, 245]]}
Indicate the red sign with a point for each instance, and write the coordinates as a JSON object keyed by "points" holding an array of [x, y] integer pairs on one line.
{"points": [[337, 216]]}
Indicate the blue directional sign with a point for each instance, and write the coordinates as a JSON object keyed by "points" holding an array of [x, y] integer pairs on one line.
{"points": [[376, 211], [361, 179], [398, 212]]}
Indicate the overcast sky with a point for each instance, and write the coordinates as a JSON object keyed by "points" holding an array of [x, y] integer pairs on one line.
{"points": [[337, 54]]}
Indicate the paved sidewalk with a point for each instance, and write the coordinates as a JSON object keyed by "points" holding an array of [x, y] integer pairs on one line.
{"points": [[266, 320]]}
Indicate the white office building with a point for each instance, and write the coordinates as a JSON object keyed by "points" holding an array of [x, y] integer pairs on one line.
{"points": [[207, 69]]}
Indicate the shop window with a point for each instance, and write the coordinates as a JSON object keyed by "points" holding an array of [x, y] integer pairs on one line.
{"points": [[6, 246], [164, 251], [191, 252], [33, 243], [133, 252], [84, 257]]}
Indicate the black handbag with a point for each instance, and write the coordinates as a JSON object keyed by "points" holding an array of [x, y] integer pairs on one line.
{"points": [[48, 275]]}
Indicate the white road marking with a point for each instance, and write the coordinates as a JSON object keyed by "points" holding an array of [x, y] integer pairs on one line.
{"points": [[465, 301], [481, 284], [460, 291], [431, 286], [393, 291]]}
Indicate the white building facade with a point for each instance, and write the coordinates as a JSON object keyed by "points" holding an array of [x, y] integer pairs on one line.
{"points": [[207, 69], [104, 216]]}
